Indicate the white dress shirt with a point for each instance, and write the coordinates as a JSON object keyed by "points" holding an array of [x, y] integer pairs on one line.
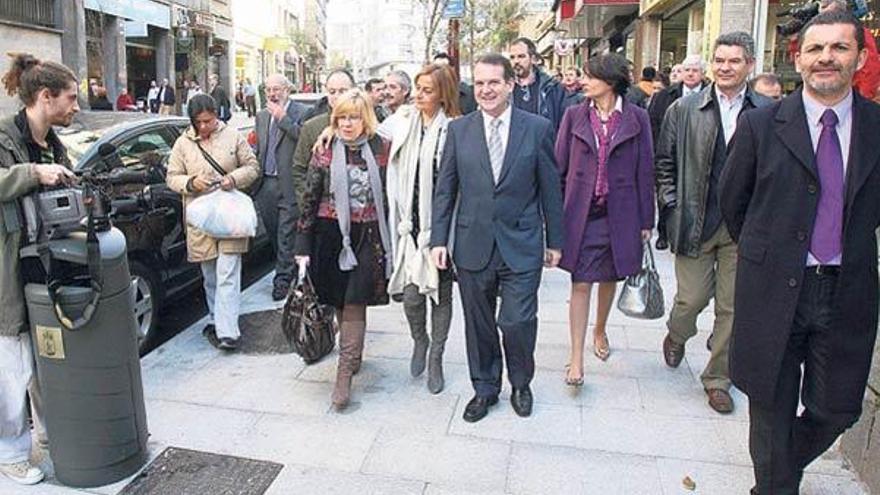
{"points": [[729, 109], [504, 128], [814, 111], [685, 91]]}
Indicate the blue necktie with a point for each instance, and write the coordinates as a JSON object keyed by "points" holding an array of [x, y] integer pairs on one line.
{"points": [[271, 168]]}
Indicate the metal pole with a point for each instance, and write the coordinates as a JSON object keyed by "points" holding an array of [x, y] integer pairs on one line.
{"points": [[453, 47]]}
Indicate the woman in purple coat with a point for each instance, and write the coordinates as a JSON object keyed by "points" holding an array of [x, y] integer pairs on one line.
{"points": [[605, 159]]}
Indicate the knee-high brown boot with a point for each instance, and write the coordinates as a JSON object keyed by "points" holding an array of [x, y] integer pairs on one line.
{"points": [[351, 346]]}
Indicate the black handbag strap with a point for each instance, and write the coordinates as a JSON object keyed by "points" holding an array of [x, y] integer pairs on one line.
{"points": [[210, 159]]}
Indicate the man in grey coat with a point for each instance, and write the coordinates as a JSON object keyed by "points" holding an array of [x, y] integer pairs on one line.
{"points": [[30, 154], [278, 127]]}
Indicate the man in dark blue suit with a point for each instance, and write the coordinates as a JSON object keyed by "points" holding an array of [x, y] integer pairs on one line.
{"points": [[498, 166]]}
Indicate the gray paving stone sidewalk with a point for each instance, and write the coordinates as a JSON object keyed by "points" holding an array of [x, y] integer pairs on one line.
{"points": [[636, 427]]}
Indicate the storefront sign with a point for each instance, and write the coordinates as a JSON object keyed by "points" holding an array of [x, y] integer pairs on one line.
{"points": [[135, 29], [276, 44], [144, 11]]}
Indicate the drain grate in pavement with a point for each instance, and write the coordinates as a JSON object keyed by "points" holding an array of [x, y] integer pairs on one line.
{"points": [[190, 472]]}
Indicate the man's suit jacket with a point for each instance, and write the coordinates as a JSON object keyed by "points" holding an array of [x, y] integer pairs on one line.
{"points": [[769, 193], [166, 95], [517, 213], [288, 136]]}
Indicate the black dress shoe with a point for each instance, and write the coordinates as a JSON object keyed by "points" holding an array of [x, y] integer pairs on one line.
{"points": [[228, 344], [279, 292], [661, 244], [521, 400], [478, 408]]}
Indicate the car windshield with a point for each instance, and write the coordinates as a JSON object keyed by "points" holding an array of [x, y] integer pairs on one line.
{"points": [[78, 141]]}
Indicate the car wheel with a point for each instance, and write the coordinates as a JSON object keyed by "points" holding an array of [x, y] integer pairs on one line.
{"points": [[147, 302]]}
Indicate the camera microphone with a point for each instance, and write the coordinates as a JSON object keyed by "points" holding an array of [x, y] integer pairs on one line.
{"points": [[128, 177], [109, 157]]}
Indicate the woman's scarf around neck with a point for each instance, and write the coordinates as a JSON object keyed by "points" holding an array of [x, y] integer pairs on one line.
{"points": [[604, 131], [412, 260], [340, 188]]}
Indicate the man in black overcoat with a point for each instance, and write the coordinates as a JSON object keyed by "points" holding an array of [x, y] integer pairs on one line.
{"points": [[801, 195]]}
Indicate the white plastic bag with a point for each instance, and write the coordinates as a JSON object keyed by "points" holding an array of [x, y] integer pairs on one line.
{"points": [[223, 214]]}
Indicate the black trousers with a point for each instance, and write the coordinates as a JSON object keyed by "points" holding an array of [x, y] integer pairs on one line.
{"points": [[280, 218], [517, 320], [662, 217], [782, 443]]}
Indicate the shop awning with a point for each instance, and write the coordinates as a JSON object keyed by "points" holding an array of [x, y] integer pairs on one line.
{"points": [[140, 11], [657, 6], [590, 16]]}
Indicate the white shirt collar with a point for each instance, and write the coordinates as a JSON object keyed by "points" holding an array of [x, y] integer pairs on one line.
{"points": [[618, 104], [685, 90], [505, 116], [814, 109], [738, 98]]}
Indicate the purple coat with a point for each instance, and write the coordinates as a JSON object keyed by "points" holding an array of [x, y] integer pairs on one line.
{"points": [[630, 183]]}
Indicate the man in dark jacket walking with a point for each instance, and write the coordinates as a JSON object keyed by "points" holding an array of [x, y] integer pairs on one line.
{"points": [[799, 194], [278, 126], [689, 161], [534, 91], [166, 98], [221, 97], [30, 155], [692, 82]]}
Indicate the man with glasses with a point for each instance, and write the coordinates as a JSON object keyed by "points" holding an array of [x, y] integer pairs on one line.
{"points": [[278, 126]]}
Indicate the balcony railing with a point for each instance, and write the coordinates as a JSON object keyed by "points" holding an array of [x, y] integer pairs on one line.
{"points": [[36, 12]]}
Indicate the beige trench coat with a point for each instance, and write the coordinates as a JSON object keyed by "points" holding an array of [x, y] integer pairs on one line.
{"points": [[230, 149]]}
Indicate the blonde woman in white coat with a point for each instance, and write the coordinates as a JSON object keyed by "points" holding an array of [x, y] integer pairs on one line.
{"points": [[417, 134]]}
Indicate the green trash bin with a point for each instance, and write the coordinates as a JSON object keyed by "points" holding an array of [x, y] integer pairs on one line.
{"points": [[90, 378]]}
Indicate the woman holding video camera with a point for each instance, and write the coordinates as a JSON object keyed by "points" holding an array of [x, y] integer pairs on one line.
{"points": [[208, 147]]}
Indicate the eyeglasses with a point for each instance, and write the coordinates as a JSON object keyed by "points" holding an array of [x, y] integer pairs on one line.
{"points": [[350, 118]]}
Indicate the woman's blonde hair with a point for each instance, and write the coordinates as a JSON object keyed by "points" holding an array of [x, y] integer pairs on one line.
{"points": [[355, 102]]}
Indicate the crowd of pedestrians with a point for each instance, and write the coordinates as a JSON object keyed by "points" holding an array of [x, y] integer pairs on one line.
{"points": [[400, 190]]}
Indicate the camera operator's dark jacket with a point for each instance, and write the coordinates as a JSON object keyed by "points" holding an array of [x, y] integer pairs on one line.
{"points": [[17, 178], [683, 164]]}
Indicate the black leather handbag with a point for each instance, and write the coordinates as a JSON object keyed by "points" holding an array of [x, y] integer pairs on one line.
{"points": [[308, 325]]}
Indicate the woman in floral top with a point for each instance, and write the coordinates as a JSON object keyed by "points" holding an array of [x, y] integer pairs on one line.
{"points": [[344, 237]]}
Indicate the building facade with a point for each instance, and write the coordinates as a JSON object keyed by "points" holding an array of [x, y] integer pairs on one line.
{"points": [[374, 37]]}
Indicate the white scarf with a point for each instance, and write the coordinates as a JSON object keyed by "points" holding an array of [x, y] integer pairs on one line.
{"points": [[412, 258]]}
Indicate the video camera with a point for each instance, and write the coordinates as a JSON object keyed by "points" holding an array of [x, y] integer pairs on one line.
{"points": [[801, 15], [53, 213]]}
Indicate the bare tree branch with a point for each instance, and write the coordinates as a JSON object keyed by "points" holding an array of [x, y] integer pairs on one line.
{"points": [[433, 10]]}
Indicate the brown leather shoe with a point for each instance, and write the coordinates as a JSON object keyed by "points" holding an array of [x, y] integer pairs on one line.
{"points": [[720, 400], [673, 352]]}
